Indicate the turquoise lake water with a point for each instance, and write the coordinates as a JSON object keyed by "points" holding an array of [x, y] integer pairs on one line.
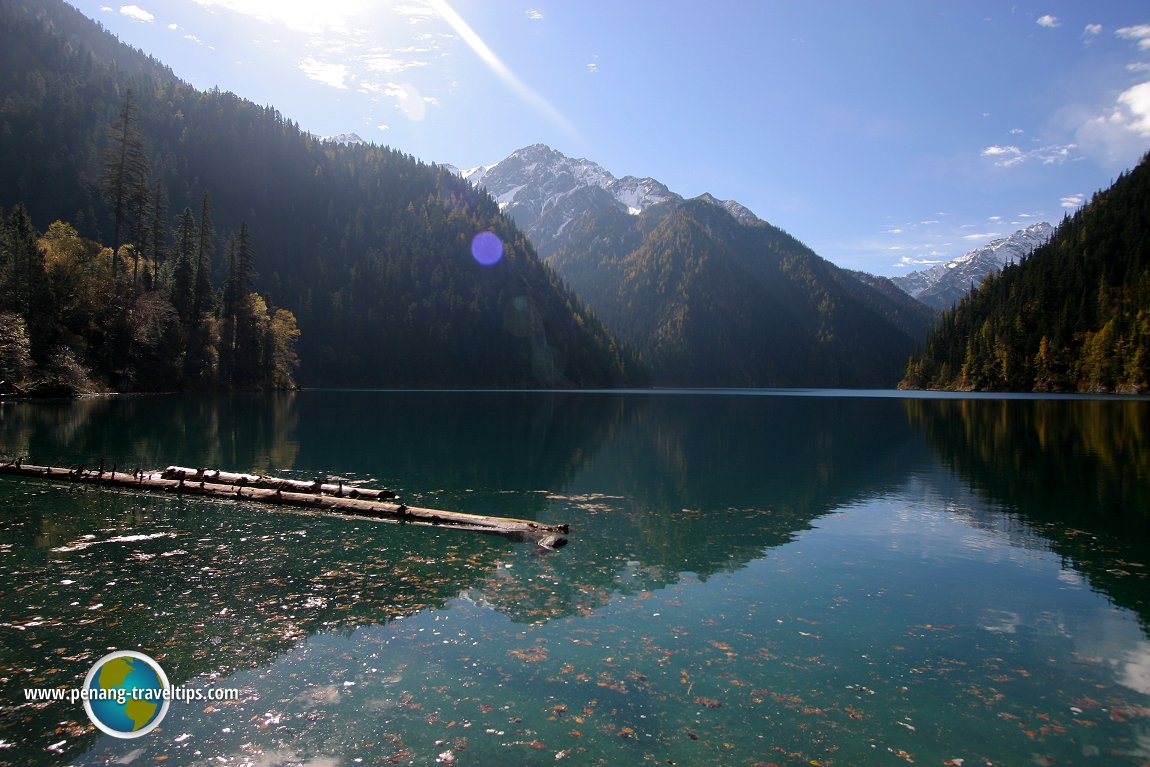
{"points": [[793, 578]]}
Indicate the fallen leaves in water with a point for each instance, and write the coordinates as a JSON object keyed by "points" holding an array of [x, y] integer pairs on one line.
{"points": [[536, 654]]}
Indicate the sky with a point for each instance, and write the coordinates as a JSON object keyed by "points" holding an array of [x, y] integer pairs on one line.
{"points": [[886, 135]]}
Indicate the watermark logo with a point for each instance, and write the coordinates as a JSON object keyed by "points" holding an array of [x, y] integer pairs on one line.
{"points": [[126, 694]]}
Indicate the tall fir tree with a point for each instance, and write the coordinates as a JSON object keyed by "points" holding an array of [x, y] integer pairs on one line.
{"points": [[23, 265], [205, 247], [184, 273], [157, 238], [239, 358], [125, 179]]}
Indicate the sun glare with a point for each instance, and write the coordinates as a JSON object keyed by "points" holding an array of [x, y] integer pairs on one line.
{"points": [[496, 65]]}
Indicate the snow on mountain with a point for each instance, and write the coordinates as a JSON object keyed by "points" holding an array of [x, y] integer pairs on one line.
{"points": [[544, 190], [943, 285], [550, 176], [350, 139]]}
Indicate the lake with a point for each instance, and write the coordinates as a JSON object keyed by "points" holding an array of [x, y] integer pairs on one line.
{"points": [[752, 578]]}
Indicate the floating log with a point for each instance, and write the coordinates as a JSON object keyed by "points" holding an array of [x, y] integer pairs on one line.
{"points": [[314, 496], [217, 476]]}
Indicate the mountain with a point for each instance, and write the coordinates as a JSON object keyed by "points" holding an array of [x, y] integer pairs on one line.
{"points": [[370, 248], [1074, 315], [943, 285], [704, 290], [348, 139], [544, 191]]}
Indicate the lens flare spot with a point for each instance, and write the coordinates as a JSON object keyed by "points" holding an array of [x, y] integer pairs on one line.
{"points": [[487, 248], [521, 318]]}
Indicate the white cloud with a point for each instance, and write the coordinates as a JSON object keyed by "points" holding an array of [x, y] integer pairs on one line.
{"points": [[300, 15], [908, 262], [995, 219], [1138, 66], [173, 26], [1139, 33], [1009, 156], [1091, 31], [383, 127], [1119, 136], [334, 75], [982, 236], [1136, 101], [416, 13], [137, 13], [997, 151], [405, 96], [1048, 21], [534, 14], [1072, 200], [1016, 131], [106, 9], [388, 64], [1055, 154]]}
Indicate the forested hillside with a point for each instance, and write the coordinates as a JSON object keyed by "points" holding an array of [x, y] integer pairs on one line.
{"points": [[709, 300], [75, 319], [369, 248], [1073, 316]]}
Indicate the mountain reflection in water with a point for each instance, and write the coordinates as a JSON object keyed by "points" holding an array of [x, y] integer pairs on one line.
{"points": [[664, 492]]}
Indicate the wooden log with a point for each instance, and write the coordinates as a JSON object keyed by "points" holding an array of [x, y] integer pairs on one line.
{"points": [[209, 484], [274, 483]]}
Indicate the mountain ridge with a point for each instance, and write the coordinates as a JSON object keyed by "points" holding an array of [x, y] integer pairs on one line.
{"points": [[367, 246], [706, 292], [544, 190], [1071, 316], [943, 285]]}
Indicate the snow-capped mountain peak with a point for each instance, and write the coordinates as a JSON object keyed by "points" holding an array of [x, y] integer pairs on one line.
{"points": [[534, 166], [943, 285], [544, 191], [348, 139]]}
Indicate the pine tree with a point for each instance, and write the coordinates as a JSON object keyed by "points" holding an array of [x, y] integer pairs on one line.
{"points": [[183, 274], [157, 249], [23, 275], [205, 247], [239, 359], [125, 179]]}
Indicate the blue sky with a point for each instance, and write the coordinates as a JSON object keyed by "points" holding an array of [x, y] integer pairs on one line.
{"points": [[885, 135]]}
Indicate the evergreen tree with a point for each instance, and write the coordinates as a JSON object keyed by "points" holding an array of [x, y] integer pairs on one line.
{"points": [[15, 353], [365, 245], [1072, 316], [239, 357], [205, 247], [183, 273], [157, 250], [23, 263], [125, 179]]}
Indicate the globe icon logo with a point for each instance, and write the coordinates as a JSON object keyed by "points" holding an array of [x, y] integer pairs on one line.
{"points": [[126, 694]]}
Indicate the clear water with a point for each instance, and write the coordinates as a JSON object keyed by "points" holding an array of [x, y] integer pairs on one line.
{"points": [[777, 577]]}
